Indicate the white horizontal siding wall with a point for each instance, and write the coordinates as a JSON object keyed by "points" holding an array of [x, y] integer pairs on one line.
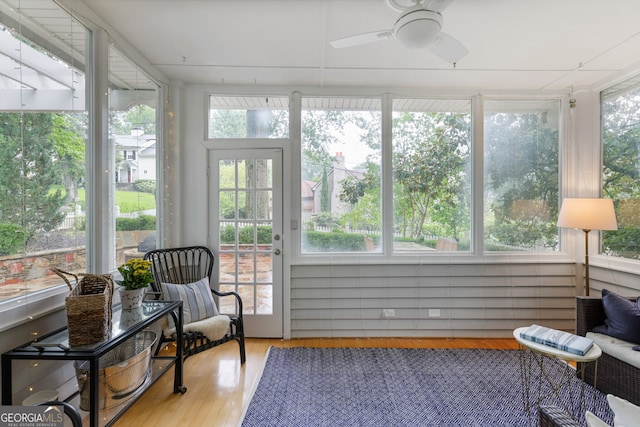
{"points": [[620, 281], [475, 300]]}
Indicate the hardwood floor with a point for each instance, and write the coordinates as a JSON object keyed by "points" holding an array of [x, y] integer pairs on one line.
{"points": [[218, 387]]}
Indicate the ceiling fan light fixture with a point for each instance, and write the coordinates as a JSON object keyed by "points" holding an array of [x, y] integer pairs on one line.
{"points": [[418, 28]]}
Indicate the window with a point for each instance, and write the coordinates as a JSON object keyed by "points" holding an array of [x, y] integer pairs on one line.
{"points": [[43, 129], [248, 117], [621, 166], [521, 141], [341, 167], [133, 134], [431, 175]]}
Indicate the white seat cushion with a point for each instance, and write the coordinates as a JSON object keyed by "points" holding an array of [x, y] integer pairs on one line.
{"points": [[614, 347], [213, 328]]}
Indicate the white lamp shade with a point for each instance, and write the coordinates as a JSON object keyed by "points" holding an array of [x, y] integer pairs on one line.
{"points": [[588, 214]]}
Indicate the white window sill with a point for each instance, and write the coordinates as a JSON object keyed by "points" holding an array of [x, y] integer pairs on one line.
{"points": [[24, 309]]}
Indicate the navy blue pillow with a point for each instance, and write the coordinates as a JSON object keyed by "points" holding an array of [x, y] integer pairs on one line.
{"points": [[622, 317]]}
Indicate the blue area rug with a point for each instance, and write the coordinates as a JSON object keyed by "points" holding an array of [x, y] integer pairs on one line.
{"points": [[402, 387]]}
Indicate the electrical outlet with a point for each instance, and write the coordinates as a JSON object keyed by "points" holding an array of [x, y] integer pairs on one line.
{"points": [[388, 312], [434, 312]]}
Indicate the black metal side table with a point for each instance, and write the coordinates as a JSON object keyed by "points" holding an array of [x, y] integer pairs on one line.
{"points": [[55, 346]]}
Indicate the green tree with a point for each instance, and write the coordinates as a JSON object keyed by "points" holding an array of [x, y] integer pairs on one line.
{"points": [[324, 192], [320, 129], [621, 171], [354, 188], [140, 116], [366, 214], [31, 169], [431, 158], [69, 144], [522, 157]]}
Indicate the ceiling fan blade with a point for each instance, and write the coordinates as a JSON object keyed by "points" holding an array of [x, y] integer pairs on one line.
{"points": [[448, 48], [437, 5], [361, 39]]}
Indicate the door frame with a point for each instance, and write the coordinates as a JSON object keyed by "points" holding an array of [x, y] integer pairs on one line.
{"points": [[257, 144]]}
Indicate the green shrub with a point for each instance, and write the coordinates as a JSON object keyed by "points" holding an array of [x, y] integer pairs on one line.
{"points": [[143, 222], [145, 186], [316, 241], [264, 234], [12, 238], [227, 235]]}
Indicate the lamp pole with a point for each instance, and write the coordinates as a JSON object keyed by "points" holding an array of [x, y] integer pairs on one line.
{"points": [[586, 261]]}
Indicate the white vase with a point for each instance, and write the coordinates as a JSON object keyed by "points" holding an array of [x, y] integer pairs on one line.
{"points": [[131, 299], [130, 317]]}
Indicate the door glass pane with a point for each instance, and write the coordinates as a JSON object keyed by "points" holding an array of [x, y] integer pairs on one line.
{"points": [[248, 295], [246, 178], [246, 271], [264, 297], [245, 245], [228, 305], [244, 212], [227, 205], [227, 174], [263, 198], [264, 267]]}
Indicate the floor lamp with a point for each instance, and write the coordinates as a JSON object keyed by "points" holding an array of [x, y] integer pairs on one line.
{"points": [[587, 215]]}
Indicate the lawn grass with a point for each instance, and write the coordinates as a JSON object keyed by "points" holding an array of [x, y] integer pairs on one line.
{"points": [[128, 201]]}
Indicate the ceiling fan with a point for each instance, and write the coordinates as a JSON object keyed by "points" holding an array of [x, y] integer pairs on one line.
{"points": [[418, 26]]}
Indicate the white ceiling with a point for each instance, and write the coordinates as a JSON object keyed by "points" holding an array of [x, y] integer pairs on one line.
{"points": [[513, 44]]}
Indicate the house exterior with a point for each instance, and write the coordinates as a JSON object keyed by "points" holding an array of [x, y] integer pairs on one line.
{"points": [[136, 156], [335, 175]]}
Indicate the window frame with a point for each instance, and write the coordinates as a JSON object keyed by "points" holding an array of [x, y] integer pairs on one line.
{"points": [[628, 84], [477, 252]]}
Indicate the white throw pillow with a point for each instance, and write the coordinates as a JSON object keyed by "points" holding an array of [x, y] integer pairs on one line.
{"points": [[626, 413], [197, 301]]}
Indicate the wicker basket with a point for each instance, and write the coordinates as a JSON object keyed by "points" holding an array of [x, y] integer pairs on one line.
{"points": [[123, 371], [88, 307]]}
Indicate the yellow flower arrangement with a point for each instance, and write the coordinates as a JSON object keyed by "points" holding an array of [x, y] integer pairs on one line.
{"points": [[136, 274]]}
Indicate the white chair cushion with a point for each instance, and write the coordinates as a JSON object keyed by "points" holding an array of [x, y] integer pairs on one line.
{"points": [[213, 328], [615, 347]]}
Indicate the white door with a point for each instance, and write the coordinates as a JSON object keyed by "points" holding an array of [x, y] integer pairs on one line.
{"points": [[246, 233]]}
